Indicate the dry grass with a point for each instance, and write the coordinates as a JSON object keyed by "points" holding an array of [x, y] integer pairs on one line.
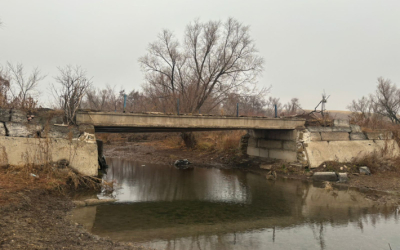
{"points": [[220, 141], [379, 161], [47, 177]]}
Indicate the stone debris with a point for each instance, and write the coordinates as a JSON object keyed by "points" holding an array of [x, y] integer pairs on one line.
{"points": [[18, 116], [325, 176], [365, 170], [182, 164], [266, 166], [343, 177], [89, 138], [23, 130]]}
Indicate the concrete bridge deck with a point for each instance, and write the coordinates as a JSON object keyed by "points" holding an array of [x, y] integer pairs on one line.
{"points": [[110, 122]]}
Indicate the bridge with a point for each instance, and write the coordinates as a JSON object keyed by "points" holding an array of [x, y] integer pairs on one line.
{"points": [[112, 122], [269, 137]]}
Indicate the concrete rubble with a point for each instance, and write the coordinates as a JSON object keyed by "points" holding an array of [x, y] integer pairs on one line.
{"points": [[365, 170], [325, 176]]}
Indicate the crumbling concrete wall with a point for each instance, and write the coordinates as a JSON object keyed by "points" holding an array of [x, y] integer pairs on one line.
{"points": [[344, 142], [40, 137], [19, 151], [311, 146]]}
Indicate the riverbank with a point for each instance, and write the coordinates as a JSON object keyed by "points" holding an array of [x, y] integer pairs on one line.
{"points": [[382, 187], [33, 216]]}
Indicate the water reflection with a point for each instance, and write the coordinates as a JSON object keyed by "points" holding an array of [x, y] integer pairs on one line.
{"points": [[165, 208]]}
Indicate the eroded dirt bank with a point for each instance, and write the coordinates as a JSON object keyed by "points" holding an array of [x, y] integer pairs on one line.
{"points": [[33, 218]]}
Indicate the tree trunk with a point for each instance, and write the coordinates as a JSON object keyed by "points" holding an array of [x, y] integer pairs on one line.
{"points": [[189, 139]]}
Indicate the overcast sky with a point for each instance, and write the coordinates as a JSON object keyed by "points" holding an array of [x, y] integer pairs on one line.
{"points": [[340, 46]]}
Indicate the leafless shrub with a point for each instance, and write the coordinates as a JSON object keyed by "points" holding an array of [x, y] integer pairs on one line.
{"points": [[378, 108], [17, 89], [73, 84]]}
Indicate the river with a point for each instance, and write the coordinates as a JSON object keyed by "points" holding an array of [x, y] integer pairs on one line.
{"points": [[162, 207]]}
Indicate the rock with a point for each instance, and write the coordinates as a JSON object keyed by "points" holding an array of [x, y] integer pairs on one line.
{"points": [[4, 115], [341, 168], [18, 116], [343, 177], [94, 202], [182, 164], [266, 166], [325, 176], [365, 170], [23, 130]]}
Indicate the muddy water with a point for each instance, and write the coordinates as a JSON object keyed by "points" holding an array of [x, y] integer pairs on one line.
{"points": [[165, 208]]}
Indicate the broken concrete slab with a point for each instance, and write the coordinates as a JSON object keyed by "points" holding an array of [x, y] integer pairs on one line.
{"points": [[341, 129], [373, 135], [319, 129], [88, 128], [365, 170], [18, 116], [325, 176], [355, 129], [335, 136], [65, 132], [23, 130], [341, 123], [358, 136], [343, 177], [4, 115]]}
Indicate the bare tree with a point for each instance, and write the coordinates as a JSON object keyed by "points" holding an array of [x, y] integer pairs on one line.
{"points": [[386, 100], [4, 88], [72, 86], [214, 60], [22, 87], [292, 107]]}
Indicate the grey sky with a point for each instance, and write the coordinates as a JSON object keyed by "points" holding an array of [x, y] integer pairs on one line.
{"points": [[341, 46]]}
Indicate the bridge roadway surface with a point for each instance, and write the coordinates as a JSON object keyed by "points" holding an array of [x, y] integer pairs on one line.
{"points": [[113, 122]]}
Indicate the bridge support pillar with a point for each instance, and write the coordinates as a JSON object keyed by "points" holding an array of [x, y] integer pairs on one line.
{"points": [[275, 144]]}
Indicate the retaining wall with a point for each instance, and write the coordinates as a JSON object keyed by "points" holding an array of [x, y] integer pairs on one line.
{"points": [[311, 146], [40, 137]]}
